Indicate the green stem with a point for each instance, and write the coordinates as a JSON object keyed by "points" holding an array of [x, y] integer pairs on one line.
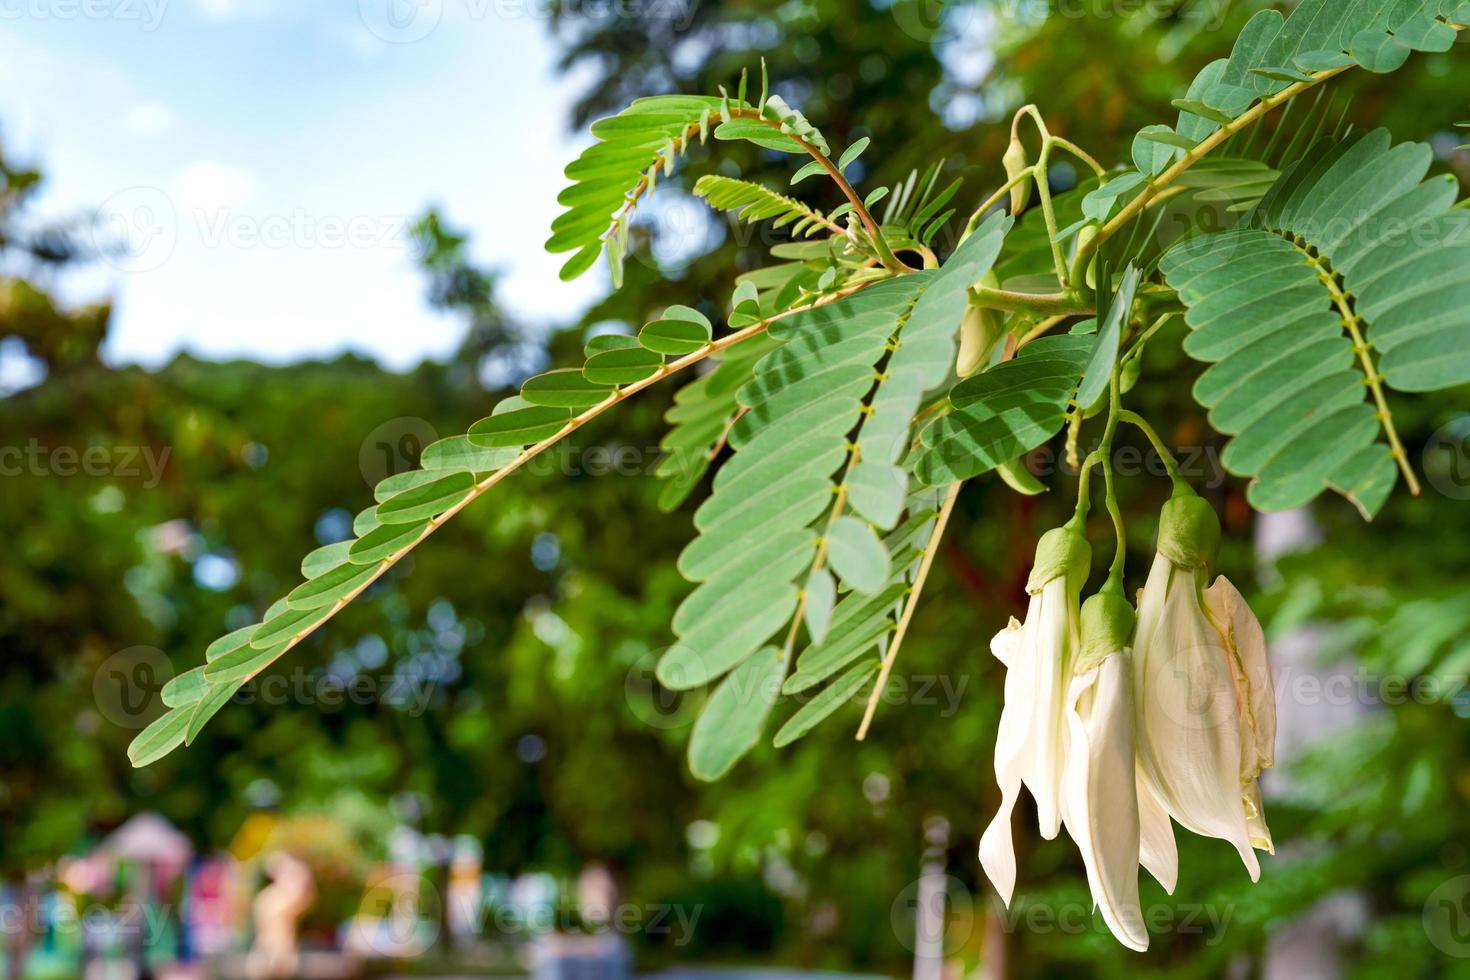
{"points": [[994, 199], [1066, 303], [1171, 465], [1080, 154], [1115, 408]]}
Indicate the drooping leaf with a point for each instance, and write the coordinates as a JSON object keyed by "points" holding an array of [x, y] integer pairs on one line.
{"points": [[731, 722], [1004, 412], [1348, 238], [826, 703], [1105, 352]]}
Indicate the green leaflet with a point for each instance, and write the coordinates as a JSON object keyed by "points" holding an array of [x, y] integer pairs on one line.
{"points": [[821, 597], [682, 330], [856, 554], [754, 202], [1273, 52], [208, 706], [622, 366], [1286, 382], [383, 542], [331, 586], [519, 427], [230, 642], [564, 388], [861, 622], [240, 665], [629, 144], [185, 688], [160, 738], [702, 412], [426, 501], [324, 559], [825, 704], [731, 722], [1105, 353], [1004, 412]]}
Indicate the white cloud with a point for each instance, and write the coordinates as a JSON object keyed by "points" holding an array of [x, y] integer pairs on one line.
{"points": [[208, 186]]}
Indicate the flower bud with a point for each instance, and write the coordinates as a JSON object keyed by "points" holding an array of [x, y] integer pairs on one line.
{"points": [[1015, 161], [1061, 551], [1107, 627], [1189, 531], [980, 331], [1128, 375]]}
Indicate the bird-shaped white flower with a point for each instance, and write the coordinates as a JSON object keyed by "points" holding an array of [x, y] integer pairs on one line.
{"points": [[1205, 707], [1030, 746], [1100, 799]]}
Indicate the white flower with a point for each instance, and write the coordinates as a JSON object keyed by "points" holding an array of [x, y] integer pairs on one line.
{"points": [[1205, 706], [1100, 803], [1030, 746]]}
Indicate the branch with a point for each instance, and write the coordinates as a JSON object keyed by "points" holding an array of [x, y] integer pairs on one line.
{"points": [[930, 550], [573, 424]]}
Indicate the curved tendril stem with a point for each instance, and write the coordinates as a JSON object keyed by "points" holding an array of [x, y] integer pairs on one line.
{"points": [[930, 550], [1080, 154], [1171, 465]]}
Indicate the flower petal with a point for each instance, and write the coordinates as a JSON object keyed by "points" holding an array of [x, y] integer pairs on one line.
{"points": [[1056, 643], [1189, 738], [1102, 794], [1156, 850], [1245, 640]]}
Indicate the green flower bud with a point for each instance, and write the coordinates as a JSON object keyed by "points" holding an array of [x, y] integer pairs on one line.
{"points": [[1189, 531], [1128, 376], [1015, 161], [1107, 627], [980, 331], [1061, 551]]}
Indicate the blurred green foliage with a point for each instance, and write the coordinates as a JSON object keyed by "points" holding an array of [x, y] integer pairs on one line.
{"points": [[527, 630]]}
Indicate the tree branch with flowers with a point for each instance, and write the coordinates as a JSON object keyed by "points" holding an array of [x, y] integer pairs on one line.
{"points": [[857, 383]]}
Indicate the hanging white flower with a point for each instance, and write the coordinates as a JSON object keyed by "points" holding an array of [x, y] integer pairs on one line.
{"points": [[1205, 705], [1100, 803], [1030, 746]]}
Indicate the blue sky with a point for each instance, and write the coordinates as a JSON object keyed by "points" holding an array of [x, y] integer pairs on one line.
{"points": [[261, 157]]}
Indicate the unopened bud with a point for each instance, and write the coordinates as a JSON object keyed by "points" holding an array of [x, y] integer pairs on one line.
{"points": [[1061, 551], [1107, 626], [1189, 531], [1015, 161]]}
